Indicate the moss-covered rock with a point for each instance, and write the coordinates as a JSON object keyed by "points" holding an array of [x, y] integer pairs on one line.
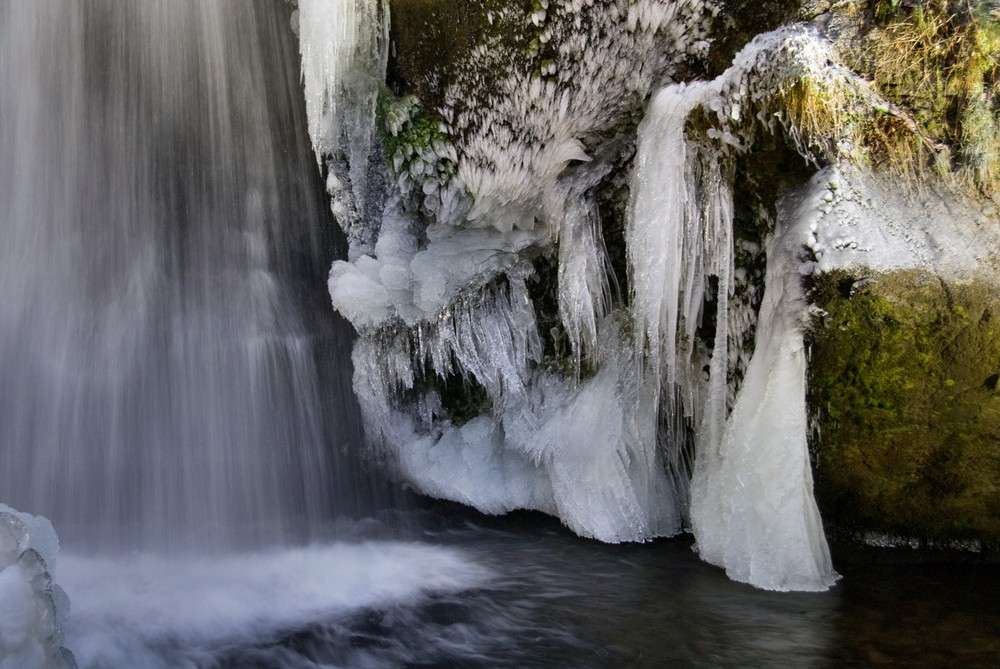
{"points": [[904, 379], [433, 38]]}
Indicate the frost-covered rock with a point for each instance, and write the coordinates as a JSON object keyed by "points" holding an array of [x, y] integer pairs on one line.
{"points": [[589, 418], [557, 309], [33, 608], [444, 291]]}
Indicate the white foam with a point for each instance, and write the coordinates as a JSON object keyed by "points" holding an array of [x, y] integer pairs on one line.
{"points": [[148, 611]]}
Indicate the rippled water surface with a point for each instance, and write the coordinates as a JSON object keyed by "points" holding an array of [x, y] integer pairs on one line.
{"points": [[471, 591]]}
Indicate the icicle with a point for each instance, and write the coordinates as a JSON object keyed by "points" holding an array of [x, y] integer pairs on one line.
{"points": [[752, 506], [679, 212], [584, 293], [344, 54]]}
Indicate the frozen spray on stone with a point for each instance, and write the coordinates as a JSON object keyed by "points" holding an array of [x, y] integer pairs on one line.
{"points": [[344, 47], [449, 277]]}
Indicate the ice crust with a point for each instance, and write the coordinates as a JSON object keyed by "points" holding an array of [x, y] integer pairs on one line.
{"points": [[859, 220], [752, 510], [33, 608]]}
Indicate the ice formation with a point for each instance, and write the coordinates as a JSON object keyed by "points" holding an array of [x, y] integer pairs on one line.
{"points": [[443, 292], [592, 418], [752, 509], [344, 46], [32, 607], [752, 506]]}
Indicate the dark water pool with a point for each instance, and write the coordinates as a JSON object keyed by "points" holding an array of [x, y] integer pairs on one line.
{"points": [[558, 601]]}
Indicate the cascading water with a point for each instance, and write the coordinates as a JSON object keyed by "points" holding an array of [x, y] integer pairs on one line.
{"points": [[159, 327], [174, 379]]}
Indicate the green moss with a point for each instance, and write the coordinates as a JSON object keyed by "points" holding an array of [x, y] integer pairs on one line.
{"points": [[903, 384], [413, 142]]}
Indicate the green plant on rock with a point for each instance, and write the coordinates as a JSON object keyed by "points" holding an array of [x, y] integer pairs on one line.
{"points": [[980, 144], [416, 146]]}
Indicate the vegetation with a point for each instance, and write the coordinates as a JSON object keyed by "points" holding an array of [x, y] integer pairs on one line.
{"points": [[940, 61], [414, 143]]}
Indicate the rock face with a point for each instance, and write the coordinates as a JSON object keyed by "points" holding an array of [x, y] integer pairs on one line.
{"points": [[904, 385]]}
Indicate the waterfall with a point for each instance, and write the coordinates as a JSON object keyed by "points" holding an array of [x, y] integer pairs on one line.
{"points": [[167, 362]]}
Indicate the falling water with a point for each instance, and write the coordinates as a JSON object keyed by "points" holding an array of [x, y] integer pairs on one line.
{"points": [[162, 227]]}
